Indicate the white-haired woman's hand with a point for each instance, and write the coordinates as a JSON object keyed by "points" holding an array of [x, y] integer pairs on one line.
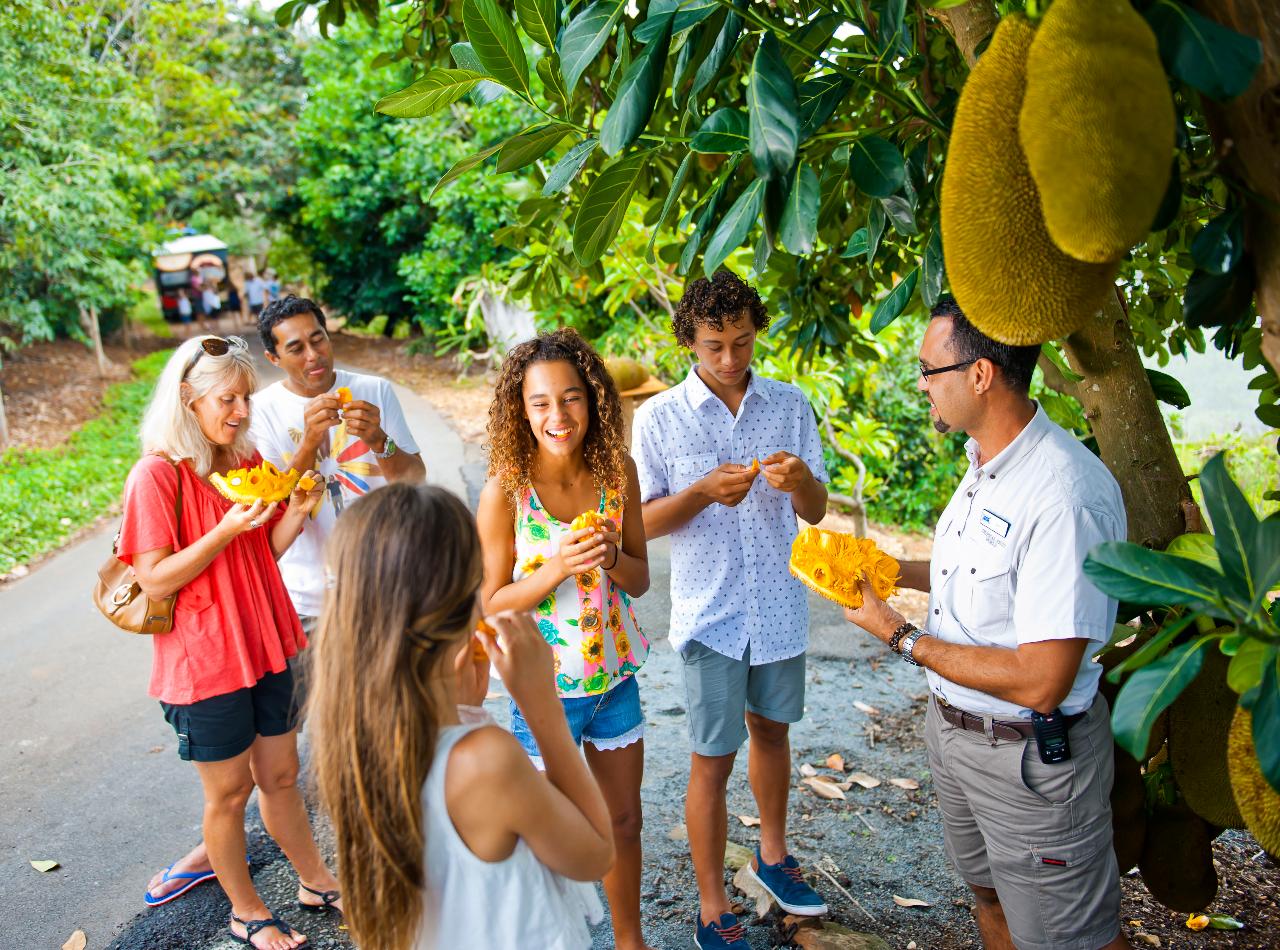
{"points": [[304, 500], [242, 518]]}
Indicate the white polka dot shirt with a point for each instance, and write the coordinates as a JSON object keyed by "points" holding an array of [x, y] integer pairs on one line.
{"points": [[730, 586]]}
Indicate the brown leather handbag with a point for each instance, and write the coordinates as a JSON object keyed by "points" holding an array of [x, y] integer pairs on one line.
{"points": [[122, 601]]}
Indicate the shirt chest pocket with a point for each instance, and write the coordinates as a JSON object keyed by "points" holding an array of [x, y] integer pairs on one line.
{"points": [[990, 595], [687, 469]]}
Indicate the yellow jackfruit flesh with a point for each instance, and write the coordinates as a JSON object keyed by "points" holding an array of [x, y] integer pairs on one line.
{"points": [[1259, 803], [1010, 279], [1199, 721], [832, 564], [1097, 126]]}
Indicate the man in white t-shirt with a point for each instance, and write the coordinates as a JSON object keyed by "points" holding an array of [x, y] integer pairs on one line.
{"points": [[256, 293], [300, 422]]}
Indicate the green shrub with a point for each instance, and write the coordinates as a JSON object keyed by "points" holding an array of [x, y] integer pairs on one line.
{"points": [[49, 494]]}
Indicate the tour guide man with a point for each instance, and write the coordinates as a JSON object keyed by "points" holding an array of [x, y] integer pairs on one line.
{"points": [[1019, 740]]}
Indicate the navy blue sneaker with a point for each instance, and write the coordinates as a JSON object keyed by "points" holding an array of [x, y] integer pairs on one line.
{"points": [[785, 884], [723, 934]]}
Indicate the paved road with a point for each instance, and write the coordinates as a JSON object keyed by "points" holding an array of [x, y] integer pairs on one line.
{"points": [[89, 775]]}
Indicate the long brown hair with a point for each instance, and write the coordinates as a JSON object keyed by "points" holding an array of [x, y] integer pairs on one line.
{"points": [[404, 566], [512, 445]]}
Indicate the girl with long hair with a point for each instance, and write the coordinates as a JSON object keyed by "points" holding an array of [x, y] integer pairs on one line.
{"points": [[556, 451], [446, 835], [222, 674]]}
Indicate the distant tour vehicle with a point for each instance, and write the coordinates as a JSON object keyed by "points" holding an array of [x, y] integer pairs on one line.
{"points": [[189, 262]]}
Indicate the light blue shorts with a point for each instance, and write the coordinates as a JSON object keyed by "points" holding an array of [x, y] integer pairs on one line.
{"points": [[608, 720]]}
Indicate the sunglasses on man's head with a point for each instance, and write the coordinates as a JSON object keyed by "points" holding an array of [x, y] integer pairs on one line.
{"points": [[214, 346]]}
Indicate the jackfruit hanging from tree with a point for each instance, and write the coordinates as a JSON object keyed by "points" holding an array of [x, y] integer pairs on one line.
{"points": [[1008, 276], [1177, 858], [1097, 126], [1259, 803], [1199, 722]]}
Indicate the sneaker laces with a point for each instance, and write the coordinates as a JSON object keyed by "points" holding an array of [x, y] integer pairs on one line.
{"points": [[794, 873], [729, 934]]}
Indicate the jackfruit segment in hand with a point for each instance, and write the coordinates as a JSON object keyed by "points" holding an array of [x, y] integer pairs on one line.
{"points": [[1177, 859], [1097, 126], [626, 372], [832, 564], [343, 394], [478, 652], [754, 466], [1009, 278], [264, 483], [306, 483], [1199, 723], [1259, 803], [590, 519]]}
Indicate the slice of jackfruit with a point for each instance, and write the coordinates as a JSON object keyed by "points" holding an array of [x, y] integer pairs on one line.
{"points": [[1097, 126], [1008, 276], [264, 483], [1259, 803], [1199, 721], [832, 564]]}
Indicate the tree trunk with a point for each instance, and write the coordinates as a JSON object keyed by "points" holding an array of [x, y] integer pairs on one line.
{"points": [[4, 422], [89, 318], [1248, 132], [1115, 392], [1132, 436]]}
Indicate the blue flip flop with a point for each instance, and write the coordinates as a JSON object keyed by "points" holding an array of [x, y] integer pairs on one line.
{"points": [[192, 878]]}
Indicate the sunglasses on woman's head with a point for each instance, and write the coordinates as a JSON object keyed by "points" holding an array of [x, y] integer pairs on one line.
{"points": [[214, 346]]}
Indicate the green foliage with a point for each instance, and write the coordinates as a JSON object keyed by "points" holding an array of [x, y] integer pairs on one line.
{"points": [[49, 494]]}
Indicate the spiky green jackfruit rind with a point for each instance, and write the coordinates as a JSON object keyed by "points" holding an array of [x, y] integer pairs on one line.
{"points": [[1010, 279], [1259, 803], [1199, 721], [1097, 126], [1177, 859]]}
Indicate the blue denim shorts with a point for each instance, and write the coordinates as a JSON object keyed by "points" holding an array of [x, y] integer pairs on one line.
{"points": [[608, 721]]}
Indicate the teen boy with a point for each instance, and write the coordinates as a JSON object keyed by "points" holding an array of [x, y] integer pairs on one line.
{"points": [[739, 620]]}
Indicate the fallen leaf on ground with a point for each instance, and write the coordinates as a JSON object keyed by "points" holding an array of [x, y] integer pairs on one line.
{"points": [[865, 707], [909, 784], [865, 780], [77, 941], [910, 902], [751, 821], [1151, 940], [1197, 921], [829, 779], [736, 855], [678, 832], [824, 789], [835, 761], [1224, 922], [156, 748], [44, 867], [807, 770], [911, 945], [746, 882]]}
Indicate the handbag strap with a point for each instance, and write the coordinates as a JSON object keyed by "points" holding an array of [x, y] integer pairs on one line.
{"points": [[177, 501]]}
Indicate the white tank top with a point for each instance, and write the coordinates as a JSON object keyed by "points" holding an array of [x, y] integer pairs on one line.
{"points": [[514, 903]]}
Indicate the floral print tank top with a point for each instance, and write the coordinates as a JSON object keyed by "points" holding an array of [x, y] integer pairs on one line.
{"points": [[588, 619]]}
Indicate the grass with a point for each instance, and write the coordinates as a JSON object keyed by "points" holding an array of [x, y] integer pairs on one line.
{"points": [[47, 495], [1252, 461]]}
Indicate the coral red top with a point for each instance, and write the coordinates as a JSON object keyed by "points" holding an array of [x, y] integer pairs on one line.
{"points": [[234, 623]]}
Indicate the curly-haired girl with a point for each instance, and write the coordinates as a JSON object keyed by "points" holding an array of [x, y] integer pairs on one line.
{"points": [[556, 450]]}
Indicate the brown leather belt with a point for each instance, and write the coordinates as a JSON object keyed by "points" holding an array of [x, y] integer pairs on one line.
{"points": [[1009, 730]]}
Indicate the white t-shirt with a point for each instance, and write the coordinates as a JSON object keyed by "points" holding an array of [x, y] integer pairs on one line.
{"points": [[351, 468], [212, 301], [1008, 556], [255, 288]]}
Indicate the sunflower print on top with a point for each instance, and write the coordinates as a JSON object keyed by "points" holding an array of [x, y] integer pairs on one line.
{"points": [[587, 619]]}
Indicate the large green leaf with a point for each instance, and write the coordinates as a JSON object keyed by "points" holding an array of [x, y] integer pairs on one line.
{"points": [[892, 306], [901, 214], [1205, 55], [1249, 550], [637, 95], [462, 166], [685, 15], [486, 91], [808, 42], [434, 91], [1153, 649], [566, 170], [604, 206], [1216, 300], [875, 230], [677, 183], [494, 38], [1263, 703], [530, 145], [1218, 247], [772, 110], [799, 226], [540, 19], [710, 67], [585, 36], [857, 245], [932, 270], [818, 99], [1150, 691], [733, 228], [877, 166], [723, 132], [1168, 389], [1245, 671], [549, 70], [1130, 572]]}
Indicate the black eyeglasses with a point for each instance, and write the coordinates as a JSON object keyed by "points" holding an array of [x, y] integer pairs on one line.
{"points": [[926, 373], [214, 346]]}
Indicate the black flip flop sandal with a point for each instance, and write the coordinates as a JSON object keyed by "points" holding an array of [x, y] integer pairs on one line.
{"points": [[329, 897], [251, 927]]}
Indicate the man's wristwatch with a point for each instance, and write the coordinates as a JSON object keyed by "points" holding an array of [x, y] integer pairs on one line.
{"points": [[388, 449], [902, 630], [909, 645]]}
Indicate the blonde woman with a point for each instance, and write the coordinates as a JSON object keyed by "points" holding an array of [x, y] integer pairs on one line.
{"points": [[222, 674]]}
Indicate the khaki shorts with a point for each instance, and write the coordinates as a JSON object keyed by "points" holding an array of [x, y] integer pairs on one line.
{"points": [[1040, 835]]}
